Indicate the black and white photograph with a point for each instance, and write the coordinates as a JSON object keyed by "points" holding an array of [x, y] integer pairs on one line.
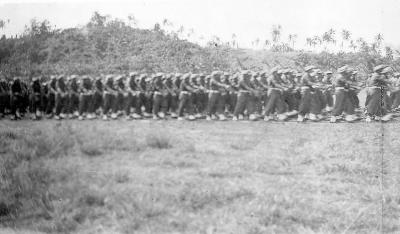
{"points": [[199, 116]]}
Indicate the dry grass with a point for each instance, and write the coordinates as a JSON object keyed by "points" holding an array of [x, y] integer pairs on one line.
{"points": [[174, 177]]}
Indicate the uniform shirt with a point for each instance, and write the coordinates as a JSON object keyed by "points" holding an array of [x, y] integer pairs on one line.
{"points": [[87, 84], [185, 86], [306, 80], [274, 81], [242, 85], [215, 83], [16, 87], [61, 85], [3, 86], [99, 85], [378, 80], [36, 87], [340, 81], [158, 84], [110, 84], [74, 86], [52, 84], [120, 84], [132, 83]]}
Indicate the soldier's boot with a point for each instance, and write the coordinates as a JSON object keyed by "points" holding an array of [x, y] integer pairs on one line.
{"points": [[282, 117], [387, 117], [180, 118], [208, 118], [81, 117], [161, 115], [313, 117], [301, 118], [136, 116], [57, 117], [174, 115], [234, 118], [221, 117], [268, 118], [333, 119], [105, 118], [191, 117], [241, 117], [252, 117], [114, 116], [368, 119]]}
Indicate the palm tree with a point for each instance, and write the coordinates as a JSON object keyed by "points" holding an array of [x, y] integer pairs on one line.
{"points": [[389, 53], [378, 42], [309, 41], [328, 37], [234, 40], [316, 40], [276, 33], [292, 39], [353, 45], [345, 36], [132, 20], [267, 43]]}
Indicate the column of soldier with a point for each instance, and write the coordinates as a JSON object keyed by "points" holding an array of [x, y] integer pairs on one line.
{"points": [[277, 95]]}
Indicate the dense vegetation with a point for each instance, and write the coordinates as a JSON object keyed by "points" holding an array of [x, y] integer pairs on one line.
{"points": [[110, 45]]}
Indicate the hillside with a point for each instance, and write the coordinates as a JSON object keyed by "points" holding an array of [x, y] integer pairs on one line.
{"points": [[109, 45]]}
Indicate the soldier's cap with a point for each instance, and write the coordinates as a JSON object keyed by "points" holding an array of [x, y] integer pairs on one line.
{"points": [[309, 68], [35, 78], [109, 77], [208, 77], [194, 76], [226, 74], [133, 74], [60, 77], [53, 77], [149, 78], [178, 75], [379, 68], [86, 77], [386, 70], [263, 74], [328, 72], [255, 74], [16, 78], [142, 76], [72, 77], [354, 72], [343, 69], [246, 73], [202, 75], [186, 76], [275, 70], [216, 73], [119, 77], [287, 71], [158, 74]]}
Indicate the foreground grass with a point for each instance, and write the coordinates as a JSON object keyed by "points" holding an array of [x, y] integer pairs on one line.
{"points": [[184, 177]]}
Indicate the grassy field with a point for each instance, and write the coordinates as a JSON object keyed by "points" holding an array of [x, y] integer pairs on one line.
{"points": [[200, 177]]}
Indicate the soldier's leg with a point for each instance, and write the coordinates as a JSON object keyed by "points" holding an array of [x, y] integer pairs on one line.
{"points": [[157, 100], [221, 104], [212, 103], [374, 102], [148, 103], [305, 103], [128, 103], [3, 101], [107, 103], [140, 101], [174, 106], [165, 104], [58, 105], [183, 99], [240, 104]]}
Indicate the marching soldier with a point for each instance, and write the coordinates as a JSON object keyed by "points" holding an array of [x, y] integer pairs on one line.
{"points": [[97, 97], [131, 96], [275, 101], [109, 96], [118, 104], [4, 96], [51, 96], [141, 97], [243, 98], [61, 98], [73, 96], [185, 98], [170, 96], [35, 98], [215, 104], [16, 98], [343, 102], [159, 102], [376, 94], [85, 99], [328, 91]]}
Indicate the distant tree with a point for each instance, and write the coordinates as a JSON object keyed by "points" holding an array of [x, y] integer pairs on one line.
{"points": [[309, 41], [316, 40], [276, 33], [234, 37], [292, 39], [157, 27], [132, 20], [98, 20], [378, 42], [389, 53], [353, 45], [345, 36], [267, 43]]}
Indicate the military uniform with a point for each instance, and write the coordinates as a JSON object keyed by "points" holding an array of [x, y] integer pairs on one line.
{"points": [[35, 98], [16, 98], [73, 96], [185, 98], [4, 97], [61, 99], [85, 98]]}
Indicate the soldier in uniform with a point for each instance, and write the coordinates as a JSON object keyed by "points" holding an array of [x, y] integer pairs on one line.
{"points": [[97, 97], [61, 99], [16, 98], [35, 98], [170, 96], [51, 96], [328, 90], [85, 98], [233, 92], [118, 104], [109, 96], [308, 103], [159, 102], [141, 97], [275, 101], [395, 92], [343, 102], [4, 96], [73, 97], [378, 86], [149, 91], [130, 99], [215, 104], [243, 98], [185, 98]]}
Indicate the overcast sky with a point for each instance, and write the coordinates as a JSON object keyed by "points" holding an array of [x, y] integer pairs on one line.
{"points": [[248, 19]]}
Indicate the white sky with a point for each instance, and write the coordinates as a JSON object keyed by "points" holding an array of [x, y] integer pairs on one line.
{"points": [[248, 19]]}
